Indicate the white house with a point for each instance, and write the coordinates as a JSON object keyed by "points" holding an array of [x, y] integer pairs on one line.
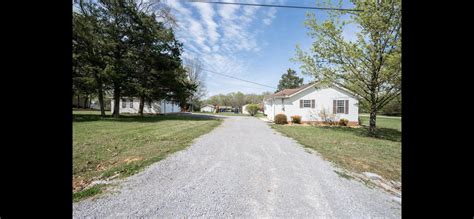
{"points": [[310, 102], [208, 108], [131, 105]]}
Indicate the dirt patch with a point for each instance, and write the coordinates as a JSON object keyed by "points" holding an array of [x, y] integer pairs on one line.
{"points": [[132, 159], [390, 186], [78, 183], [100, 167]]}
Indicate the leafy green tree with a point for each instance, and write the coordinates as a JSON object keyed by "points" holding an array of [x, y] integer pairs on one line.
{"points": [[117, 21], [120, 46], [394, 107], [370, 65], [253, 98], [253, 109], [289, 80], [238, 100], [213, 100], [89, 64], [154, 52]]}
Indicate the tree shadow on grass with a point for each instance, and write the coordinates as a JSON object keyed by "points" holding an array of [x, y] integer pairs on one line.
{"points": [[381, 133], [138, 118]]}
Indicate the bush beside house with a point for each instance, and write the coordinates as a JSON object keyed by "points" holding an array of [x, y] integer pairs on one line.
{"points": [[281, 119], [296, 119]]}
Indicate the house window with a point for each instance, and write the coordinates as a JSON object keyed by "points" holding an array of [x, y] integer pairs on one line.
{"points": [[131, 103], [340, 106], [124, 103], [306, 103]]}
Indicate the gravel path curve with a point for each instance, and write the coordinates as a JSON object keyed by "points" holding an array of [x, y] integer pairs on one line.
{"points": [[243, 168]]}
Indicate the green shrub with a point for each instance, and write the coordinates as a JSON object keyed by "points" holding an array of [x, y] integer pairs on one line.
{"points": [[281, 119], [343, 122], [296, 119], [253, 109]]}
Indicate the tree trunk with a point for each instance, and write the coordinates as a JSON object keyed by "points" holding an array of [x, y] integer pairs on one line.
{"points": [[100, 90], [101, 101], [373, 118], [78, 101], [116, 113], [85, 102], [141, 106]]}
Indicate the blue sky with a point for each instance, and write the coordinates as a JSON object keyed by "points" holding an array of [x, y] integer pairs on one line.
{"points": [[252, 43]]}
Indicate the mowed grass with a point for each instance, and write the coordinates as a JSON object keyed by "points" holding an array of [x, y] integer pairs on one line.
{"points": [[105, 147], [352, 149], [391, 122]]}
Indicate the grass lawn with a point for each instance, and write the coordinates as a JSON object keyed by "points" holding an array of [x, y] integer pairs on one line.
{"points": [[352, 149], [391, 122], [105, 147]]}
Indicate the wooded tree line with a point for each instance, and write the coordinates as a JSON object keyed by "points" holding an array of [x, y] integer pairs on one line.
{"points": [[236, 99], [127, 48]]}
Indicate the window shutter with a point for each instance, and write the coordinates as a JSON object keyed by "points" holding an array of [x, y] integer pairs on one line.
{"points": [[312, 103], [301, 103], [347, 106], [334, 107]]}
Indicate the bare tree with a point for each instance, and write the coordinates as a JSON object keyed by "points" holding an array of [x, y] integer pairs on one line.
{"points": [[162, 12], [160, 9], [195, 73]]}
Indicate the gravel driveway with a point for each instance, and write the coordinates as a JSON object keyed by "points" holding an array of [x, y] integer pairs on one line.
{"points": [[242, 168]]}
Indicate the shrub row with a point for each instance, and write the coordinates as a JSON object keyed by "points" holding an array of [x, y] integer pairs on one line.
{"points": [[282, 119]]}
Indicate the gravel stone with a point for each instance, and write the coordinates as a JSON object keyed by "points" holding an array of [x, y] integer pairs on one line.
{"points": [[243, 168]]}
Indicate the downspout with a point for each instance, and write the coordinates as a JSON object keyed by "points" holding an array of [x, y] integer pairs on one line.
{"points": [[273, 100], [283, 104]]}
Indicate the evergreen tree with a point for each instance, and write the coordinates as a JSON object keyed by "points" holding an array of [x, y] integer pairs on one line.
{"points": [[289, 80]]}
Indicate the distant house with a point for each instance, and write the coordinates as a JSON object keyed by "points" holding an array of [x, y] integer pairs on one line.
{"points": [[208, 108], [313, 104], [90, 103], [132, 104], [225, 108]]}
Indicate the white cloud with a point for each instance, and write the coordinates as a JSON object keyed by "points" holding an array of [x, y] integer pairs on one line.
{"points": [[221, 35], [228, 11], [271, 14], [207, 15]]}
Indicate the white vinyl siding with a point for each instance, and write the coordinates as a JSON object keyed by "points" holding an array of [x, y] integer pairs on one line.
{"points": [[320, 99]]}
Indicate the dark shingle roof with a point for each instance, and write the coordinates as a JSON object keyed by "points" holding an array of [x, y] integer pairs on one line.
{"points": [[288, 92]]}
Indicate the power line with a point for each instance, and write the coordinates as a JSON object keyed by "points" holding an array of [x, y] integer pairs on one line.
{"points": [[238, 78], [283, 6]]}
